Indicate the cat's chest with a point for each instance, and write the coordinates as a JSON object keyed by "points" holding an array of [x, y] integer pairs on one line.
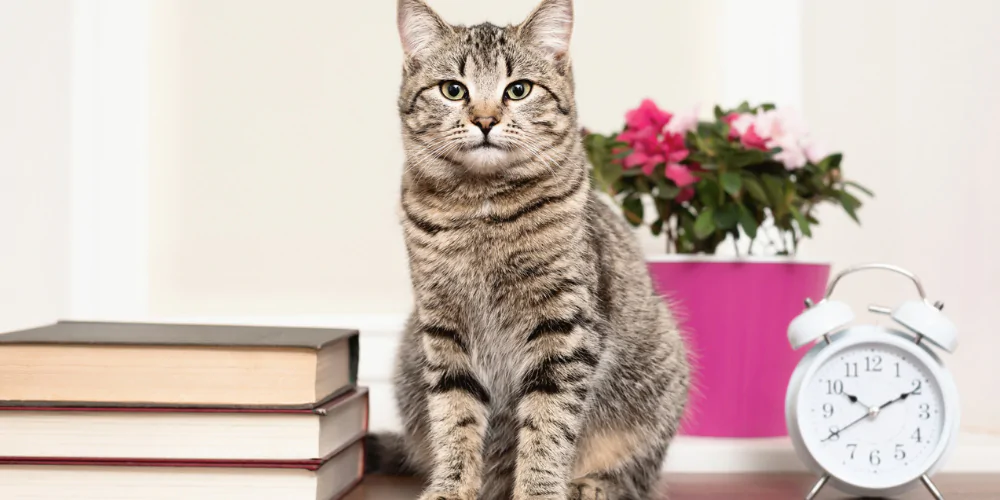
{"points": [[498, 362]]}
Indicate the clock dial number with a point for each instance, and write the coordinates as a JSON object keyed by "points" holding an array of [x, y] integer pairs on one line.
{"points": [[898, 374], [917, 386], [874, 458], [852, 370], [853, 448], [827, 410], [900, 452], [834, 387], [834, 433], [925, 411], [916, 436], [873, 363]]}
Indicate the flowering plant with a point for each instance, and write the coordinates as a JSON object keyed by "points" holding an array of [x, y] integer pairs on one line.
{"points": [[749, 168]]}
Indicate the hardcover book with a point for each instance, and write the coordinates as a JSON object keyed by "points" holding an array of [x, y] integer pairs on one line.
{"points": [[109, 479], [106, 363], [159, 433]]}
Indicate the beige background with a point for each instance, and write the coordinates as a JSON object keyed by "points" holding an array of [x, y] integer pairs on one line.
{"points": [[275, 141], [35, 54]]}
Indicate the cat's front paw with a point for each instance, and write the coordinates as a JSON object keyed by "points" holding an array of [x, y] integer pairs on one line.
{"points": [[447, 495], [587, 489]]}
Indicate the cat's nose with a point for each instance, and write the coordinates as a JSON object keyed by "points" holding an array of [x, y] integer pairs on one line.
{"points": [[485, 123]]}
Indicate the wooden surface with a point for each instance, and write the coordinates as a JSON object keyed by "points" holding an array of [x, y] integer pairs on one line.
{"points": [[729, 487]]}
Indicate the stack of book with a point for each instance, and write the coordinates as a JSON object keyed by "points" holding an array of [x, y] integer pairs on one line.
{"points": [[129, 411]]}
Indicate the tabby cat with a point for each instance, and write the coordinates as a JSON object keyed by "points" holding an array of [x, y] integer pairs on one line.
{"points": [[538, 362]]}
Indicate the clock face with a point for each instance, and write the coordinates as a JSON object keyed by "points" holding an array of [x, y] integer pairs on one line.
{"points": [[873, 414]]}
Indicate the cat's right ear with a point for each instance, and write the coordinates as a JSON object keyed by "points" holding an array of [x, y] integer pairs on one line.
{"points": [[419, 27]]}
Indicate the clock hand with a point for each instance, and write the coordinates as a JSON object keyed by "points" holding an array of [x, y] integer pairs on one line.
{"points": [[848, 426], [901, 397], [854, 399], [872, 412]]}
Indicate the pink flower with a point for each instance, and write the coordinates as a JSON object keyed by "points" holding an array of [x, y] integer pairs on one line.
{"points": [[680, 174], [648, 114], [683, 123], [777, 128], [730, 119], [751, 140], [815, 152], [792, 154], [650, 143]]}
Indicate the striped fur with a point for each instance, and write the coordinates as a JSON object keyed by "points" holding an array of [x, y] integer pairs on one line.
{"points": [[538, 362]]}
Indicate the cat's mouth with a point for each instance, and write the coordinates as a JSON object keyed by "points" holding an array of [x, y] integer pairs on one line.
{"points": [[487, 145], [486, 156]]}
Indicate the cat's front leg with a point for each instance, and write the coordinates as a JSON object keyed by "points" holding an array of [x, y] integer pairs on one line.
{"points": [[457, 406], [552, 406]]}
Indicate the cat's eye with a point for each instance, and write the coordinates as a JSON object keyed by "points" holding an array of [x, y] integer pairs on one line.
{"points": [[453, 90], [518, 90]]}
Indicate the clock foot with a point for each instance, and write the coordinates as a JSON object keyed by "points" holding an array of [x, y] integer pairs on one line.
{"points": [[819, 486], [930, 487]]}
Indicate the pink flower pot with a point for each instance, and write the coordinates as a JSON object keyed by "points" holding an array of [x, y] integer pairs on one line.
{"points": [[735, 315]]}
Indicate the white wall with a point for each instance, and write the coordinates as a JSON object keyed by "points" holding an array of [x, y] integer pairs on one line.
{"points": [[276, 152], [911, 96], [35, 68]]}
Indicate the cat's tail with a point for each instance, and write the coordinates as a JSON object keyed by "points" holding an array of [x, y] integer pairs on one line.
{"points": [[385, 453]]}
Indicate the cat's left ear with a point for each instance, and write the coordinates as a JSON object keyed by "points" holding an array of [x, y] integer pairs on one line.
{"points": [[550, 27], [419, 27]]}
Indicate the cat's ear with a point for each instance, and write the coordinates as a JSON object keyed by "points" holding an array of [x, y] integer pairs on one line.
{"points": [[550, 27], [419, 26]]}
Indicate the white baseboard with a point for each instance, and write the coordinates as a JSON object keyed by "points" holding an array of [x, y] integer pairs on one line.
{"points": [[380, 338]]}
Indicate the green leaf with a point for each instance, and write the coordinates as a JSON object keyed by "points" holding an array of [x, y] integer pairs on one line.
{"points": [[743, 158], [703, 144], [727, 216], [754, 188], [611, 173], [662, 208], [731, 182], [834, 160], [632, 208], [861, 188], [801, 220], [851, 205], [621, 155], [775, 189], [703, 225], [656, 227], [748, 222], [666, 190], [642, 185], [708, 192]]}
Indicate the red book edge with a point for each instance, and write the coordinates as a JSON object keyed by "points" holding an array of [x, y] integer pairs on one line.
{"points": [[323, 409], [311, 464]]}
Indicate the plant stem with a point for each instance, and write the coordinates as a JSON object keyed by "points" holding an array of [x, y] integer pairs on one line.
{"points": [[736, 247]]}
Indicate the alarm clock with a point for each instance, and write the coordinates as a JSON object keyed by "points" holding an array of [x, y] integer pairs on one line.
{"points": [[871, 409]]}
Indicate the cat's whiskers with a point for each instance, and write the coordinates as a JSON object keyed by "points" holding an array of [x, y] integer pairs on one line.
{"points": [[437, 148]]}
